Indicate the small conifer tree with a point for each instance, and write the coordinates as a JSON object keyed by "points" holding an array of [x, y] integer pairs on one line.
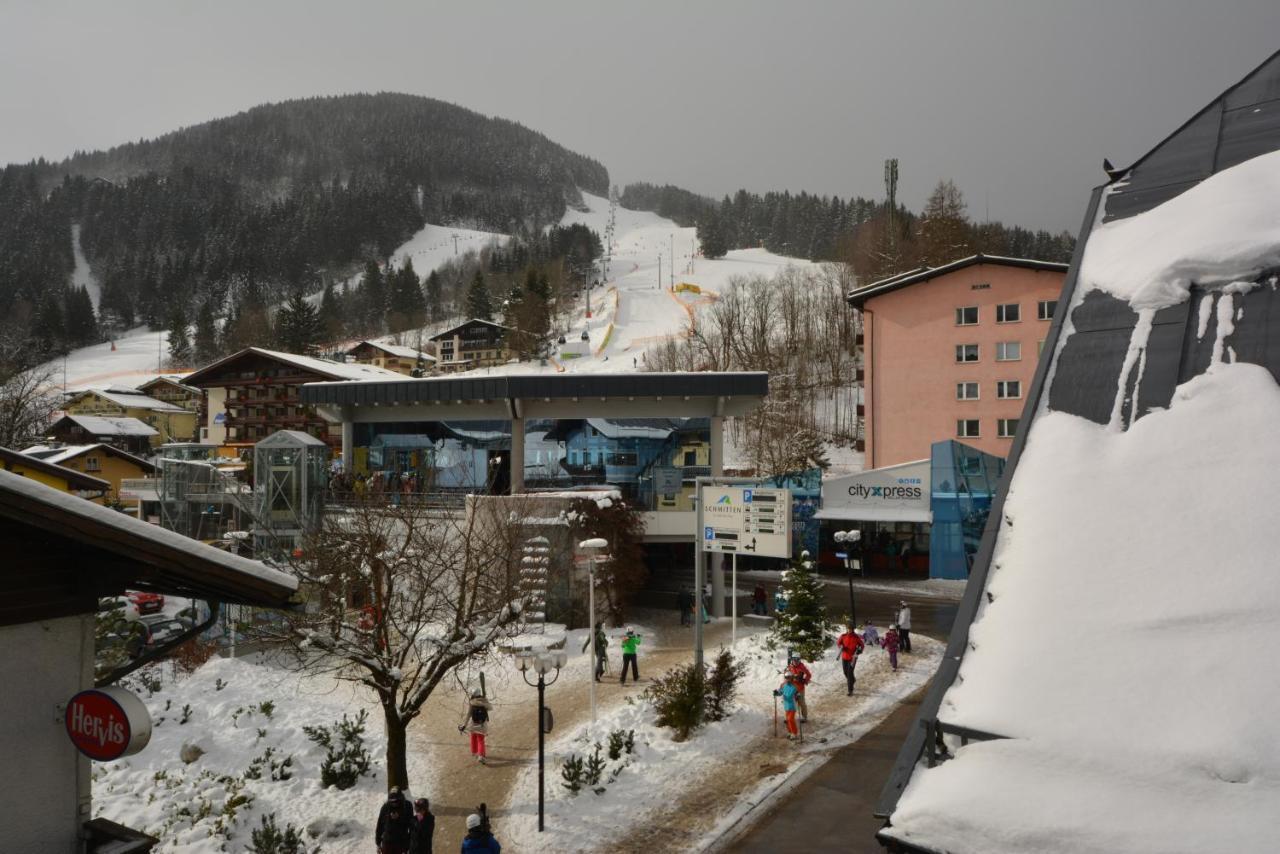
{"points": [[802, 626]]}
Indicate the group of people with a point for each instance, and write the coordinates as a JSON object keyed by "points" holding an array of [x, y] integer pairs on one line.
{"points": [[402, 829], [690, 608], [379, 485], [630, 652]]}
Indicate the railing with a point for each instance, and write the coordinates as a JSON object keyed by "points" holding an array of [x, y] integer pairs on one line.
{"points": [[386, 497], [936, 749]]}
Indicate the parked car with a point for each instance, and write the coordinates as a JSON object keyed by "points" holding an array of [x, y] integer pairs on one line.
{"points": [[145, 603], [161, 628]]}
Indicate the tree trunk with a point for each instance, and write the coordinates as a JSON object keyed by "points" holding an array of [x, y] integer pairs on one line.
{"points": [[397, 756]]}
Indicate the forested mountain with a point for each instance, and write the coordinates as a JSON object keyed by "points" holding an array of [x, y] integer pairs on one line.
{"points": [[270, 201], [858, 231]]}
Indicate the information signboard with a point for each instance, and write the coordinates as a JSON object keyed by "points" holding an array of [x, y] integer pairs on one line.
{"points": [[749, 520]]}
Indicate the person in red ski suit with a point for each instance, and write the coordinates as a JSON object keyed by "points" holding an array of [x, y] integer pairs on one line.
{"points": [[802, 678], [891, 646], [850, 646]]}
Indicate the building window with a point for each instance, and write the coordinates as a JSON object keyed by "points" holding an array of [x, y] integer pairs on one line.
{"points": [[1009, 389], [91, 464], [1006, 427], [967, 428], [967, 316], [1009, 312], [1045, 309], [966, 391], [966, 353], [1008, 351]]}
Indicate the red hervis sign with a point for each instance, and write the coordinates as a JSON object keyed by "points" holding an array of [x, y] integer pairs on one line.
{"points": [[107, 723]]}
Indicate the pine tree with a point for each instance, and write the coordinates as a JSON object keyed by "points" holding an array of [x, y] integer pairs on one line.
{"points": [[298, 327], [406, 306], [205, 346], [478, 303], [82, 325], [802, 626], [944, 233], [711, 237], [50, 329], [435, 298], [179, 337], [330, 315], [373, 298]]}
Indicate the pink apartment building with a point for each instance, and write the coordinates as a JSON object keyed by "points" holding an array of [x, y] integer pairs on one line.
{"points": [[950, 353]]}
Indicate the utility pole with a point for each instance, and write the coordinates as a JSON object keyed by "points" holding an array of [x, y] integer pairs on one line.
{"points": [[455, 246], [659, 271], [673, 264]]}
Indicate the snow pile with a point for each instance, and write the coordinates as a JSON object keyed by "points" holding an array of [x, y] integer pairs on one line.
{"points": [[1224, 229], [1133, 618], [244, 721]]}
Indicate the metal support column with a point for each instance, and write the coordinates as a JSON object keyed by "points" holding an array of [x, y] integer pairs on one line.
{"points": [[517, 448]]}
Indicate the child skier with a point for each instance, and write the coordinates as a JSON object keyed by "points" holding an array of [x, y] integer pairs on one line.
{"points": [[788, 694], [629, 643], [801, 677], [891, 645], [850, 646], [870, 634], [477, 723]]}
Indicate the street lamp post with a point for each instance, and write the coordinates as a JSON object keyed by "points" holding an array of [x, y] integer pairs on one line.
{"points": [[849, 540], [592, 548], [540, 663]]}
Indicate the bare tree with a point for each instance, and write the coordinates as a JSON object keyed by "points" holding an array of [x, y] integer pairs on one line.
{"points": [[397, 598], [27, 404]]}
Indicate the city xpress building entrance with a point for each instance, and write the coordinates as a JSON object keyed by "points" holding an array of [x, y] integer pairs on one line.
{"points": [[891, 507]]}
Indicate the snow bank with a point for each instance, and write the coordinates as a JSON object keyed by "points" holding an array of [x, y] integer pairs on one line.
{"points": [[1128, 671], [1224, 229]]}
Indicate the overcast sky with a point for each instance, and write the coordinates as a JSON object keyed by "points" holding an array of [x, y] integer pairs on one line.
{"points": [[1018, 102]]}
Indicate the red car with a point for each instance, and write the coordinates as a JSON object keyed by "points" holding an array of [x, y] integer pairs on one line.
{"points": [[146, 603]]}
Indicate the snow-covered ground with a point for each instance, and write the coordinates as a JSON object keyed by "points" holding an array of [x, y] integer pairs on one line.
{"points": [[82, 276]]}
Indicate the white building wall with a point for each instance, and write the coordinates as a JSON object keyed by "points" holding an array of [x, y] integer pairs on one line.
{"points": [[44, 788]]}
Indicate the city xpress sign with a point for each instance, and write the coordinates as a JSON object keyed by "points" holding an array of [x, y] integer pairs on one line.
{"points": [[746, 519], [107, 723]]}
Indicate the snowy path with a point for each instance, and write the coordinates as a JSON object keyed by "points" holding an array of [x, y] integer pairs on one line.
{"points": [[82, 276]]}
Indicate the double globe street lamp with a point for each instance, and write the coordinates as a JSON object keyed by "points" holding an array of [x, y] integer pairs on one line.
{"points": [[846, 542], [541, 662]]}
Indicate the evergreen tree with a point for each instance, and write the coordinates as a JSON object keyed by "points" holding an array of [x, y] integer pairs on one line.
{"points": [[82, 325], [298, 328], [944, 234], [249, 324], [50, 329], [330, 314], [406, 306], [802, 626], [373, 298], [179, 337], [206, 338], [435, 298], [711, 237], [478, 303]]}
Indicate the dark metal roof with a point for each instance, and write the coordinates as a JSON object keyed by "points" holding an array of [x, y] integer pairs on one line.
{"points": [[537, 386], [73, 478], [858, 296], [1087, 370]]}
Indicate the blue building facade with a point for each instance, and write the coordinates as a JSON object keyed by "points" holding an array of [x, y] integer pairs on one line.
{"points": [[963, 481]]}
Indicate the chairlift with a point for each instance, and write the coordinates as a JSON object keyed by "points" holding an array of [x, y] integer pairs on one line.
{"points": [[585, 336]]}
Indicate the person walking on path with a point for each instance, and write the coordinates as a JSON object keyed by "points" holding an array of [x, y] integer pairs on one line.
{"points": [[801, 677], [391, 834], [758, 601], [904, 626], [684, 601], [424, 827], [788, 693], [891, 646], [479, 838], [779, 601], [850, 646], [477, 723], [601, 649], [629, 643]]}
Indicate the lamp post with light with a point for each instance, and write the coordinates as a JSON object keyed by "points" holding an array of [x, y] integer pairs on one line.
{"points": [[540, 662], [592, 547], [849, 540]]}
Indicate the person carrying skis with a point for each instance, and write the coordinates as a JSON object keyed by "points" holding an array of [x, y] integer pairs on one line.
{"points": [[802, 677], [391, 834], [787, 691], [850, 646], [479, 838], [891, 646], [904, 626], [629, 643], [477, 723], [601, 644]]}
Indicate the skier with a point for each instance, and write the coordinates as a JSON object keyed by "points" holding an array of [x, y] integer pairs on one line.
{"points": [[758, 601], [891, 646], [477, 723], [424, 827], [802, 676], [478, 837], [601, 642], [391, 834], [850, 646], [629, 644], [779, 601], [904, 625], [788, 693], [870, 634]]}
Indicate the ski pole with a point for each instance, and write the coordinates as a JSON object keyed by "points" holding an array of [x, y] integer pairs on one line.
{"points": [[775, 715]]}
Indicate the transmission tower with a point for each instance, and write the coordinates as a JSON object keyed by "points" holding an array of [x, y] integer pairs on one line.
{"points": [[891, 191]]}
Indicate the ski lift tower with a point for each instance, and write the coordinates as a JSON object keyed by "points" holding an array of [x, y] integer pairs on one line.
{"points": [[289, 476]]}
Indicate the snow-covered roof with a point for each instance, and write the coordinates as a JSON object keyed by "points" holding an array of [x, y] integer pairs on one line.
{"points": [[165, 561], [98, 425], [176, 380], [59, 454], [130, 398], [394, 350], [858, 296], [450, 331], [325, 368], [74, 479]]}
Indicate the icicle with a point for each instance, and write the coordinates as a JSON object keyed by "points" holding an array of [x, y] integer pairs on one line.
{"points": [[1137, 347], [1206, 308], [1225, 327]]}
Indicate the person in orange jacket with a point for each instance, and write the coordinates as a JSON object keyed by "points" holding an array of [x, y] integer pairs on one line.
{"points": [[802, 678], [850, 646]]}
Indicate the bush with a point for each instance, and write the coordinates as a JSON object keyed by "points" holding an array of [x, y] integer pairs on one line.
{"points": [[722, 685], [191, 656], [346, 758], [572, 773], [267, 838], [679, 697]]}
